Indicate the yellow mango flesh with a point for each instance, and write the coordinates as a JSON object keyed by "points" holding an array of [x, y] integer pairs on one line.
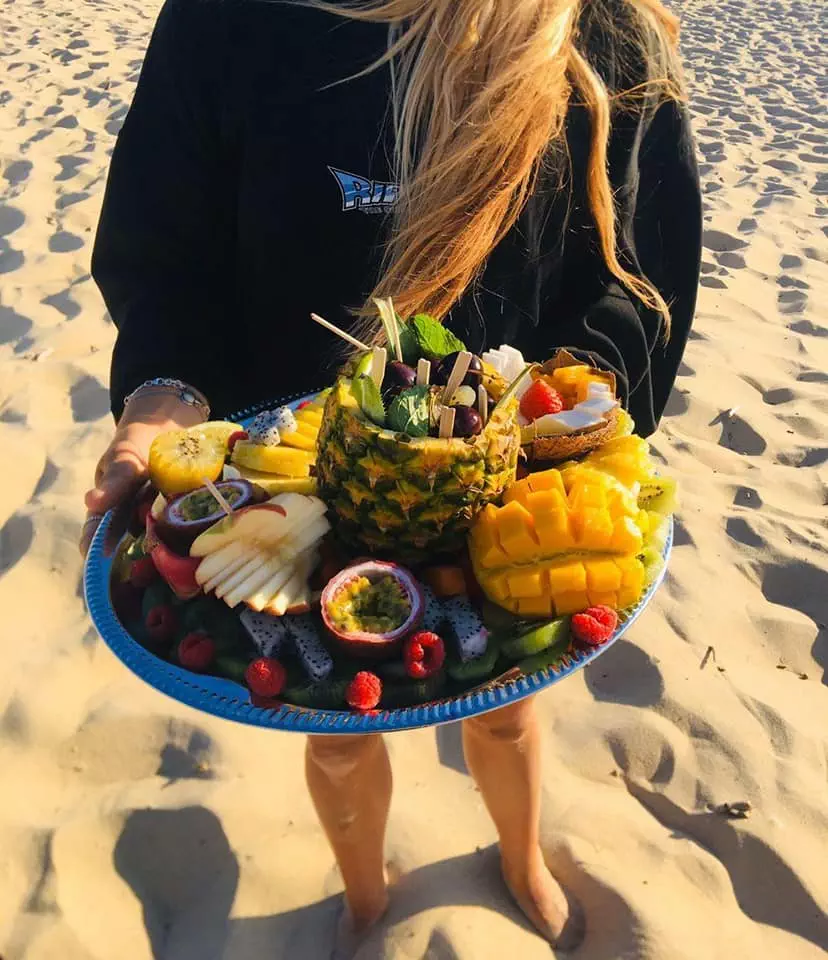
{"points": [[562, 541]]}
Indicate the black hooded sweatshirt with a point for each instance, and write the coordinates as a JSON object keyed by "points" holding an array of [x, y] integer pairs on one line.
{"points": [[248, 188]]}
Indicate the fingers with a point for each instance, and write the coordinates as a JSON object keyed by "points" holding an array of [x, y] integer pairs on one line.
{"points": [[90, 525], [119, 474], [117, 478]]}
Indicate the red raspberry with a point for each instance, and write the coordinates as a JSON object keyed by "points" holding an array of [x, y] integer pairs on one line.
{"points": [[196, 651], [539, 400], [423, 655], [161, 623], [142, 573], [126, 599], [265, 677], [594, 626], [364, 691], [303, 404], [234, 438]]}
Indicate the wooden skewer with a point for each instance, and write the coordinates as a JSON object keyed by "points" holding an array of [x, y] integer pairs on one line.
{"points": [[214, 490], [340, 333], [446, 422], [378, 362], [423, 372], [482, 403], [461, 368]]}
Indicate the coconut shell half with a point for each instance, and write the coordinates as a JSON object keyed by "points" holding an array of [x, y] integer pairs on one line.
{"points": [[569, 445]]}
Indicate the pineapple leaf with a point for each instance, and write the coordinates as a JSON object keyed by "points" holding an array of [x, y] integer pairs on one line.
{"points": [[368, 397]]}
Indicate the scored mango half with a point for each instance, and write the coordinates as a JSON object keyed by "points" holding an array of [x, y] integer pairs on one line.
{"points": [[563, 540]]}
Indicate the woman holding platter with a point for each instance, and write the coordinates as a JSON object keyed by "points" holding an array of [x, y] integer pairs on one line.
{"points": [[521, 169]]}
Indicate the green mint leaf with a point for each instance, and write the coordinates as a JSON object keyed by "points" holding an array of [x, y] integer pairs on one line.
{"points": [[409, 344], [433, 339], [368, 397], [409, 412]]}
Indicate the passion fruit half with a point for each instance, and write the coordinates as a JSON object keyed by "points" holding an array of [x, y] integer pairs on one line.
{"points": [[371, 607], [190, 514]]}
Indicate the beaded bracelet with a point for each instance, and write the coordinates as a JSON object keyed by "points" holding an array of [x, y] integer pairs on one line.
{"points": [[184, 392]]}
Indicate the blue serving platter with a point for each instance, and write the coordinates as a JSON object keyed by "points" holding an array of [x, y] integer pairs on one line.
{"points": [[231, 701]]}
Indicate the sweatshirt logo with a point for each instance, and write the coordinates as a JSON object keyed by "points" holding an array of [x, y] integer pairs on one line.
{"points": [[359, 193]]}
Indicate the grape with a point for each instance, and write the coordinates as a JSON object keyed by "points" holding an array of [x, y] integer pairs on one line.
{"points": [[473, 375], [467, 422]]}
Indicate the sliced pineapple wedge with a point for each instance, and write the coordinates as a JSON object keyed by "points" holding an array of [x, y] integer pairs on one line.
{"points": [[284, 460]]}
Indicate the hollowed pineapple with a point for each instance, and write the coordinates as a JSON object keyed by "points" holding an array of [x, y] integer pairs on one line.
{"points": [[409, 498]]}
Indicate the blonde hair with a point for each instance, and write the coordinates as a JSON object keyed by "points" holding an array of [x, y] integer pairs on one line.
{"points": [[480, 94]]}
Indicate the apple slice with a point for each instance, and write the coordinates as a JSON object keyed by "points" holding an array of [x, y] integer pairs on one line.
{"points": [[225, 573], [260, 598], [269, 570], [280, 572], [214, 563], [290, 592], [263, 524], [257, 560]]}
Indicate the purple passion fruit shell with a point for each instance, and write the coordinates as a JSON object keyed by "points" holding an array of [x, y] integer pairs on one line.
{"points": [[190, 514], [363, 643]]}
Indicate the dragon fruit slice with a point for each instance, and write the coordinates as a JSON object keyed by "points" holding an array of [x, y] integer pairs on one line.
{"points": [[267, 632], [434, 615], [468, 630], [368, 642], [309, 647], [285, 420]]}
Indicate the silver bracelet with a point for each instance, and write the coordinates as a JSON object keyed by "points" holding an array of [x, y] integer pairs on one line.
{"points": [[186, 394]]}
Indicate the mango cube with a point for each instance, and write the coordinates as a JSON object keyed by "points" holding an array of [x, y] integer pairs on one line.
{"points": [[526, 583], [603, 576], [570, 602]]}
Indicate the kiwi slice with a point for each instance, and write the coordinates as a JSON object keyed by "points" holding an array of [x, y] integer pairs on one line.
{"points": [[537, 639], [412, 692], [325, 695], [653, 563], [659, 495], [478, 668], [231, 668], [545, 658]]}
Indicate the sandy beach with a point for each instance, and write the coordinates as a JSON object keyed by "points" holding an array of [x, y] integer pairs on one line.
{"points": [[132, 827]]}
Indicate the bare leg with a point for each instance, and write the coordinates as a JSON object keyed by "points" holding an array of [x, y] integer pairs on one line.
{"points": [[349, 778], [502, 751]]}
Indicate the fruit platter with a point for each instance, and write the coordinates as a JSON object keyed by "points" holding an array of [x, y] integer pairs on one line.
{"points": [[434, 535]]}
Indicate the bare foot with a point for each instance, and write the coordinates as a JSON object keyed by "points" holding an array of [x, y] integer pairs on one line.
{"points": [[354, 925], [543, 901]]}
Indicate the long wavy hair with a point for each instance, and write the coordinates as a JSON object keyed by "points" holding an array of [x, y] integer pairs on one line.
{"points": [[480, 94]]}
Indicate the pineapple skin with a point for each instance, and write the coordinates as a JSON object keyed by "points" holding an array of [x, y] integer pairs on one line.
{"points": [[410, 499]]}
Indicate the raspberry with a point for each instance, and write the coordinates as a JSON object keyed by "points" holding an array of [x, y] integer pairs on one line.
{"points": [[234, 438], [196, 651], [594, 626], [539, 400], [126, 599], [423, 655], [161, 623], [364, 691], [142, 573], [265, 677]]}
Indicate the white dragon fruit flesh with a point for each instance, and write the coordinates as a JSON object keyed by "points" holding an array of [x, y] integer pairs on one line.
{"points": [[264, 430], [434, 615], [468, 630], [267, 632], [309, 647]]}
